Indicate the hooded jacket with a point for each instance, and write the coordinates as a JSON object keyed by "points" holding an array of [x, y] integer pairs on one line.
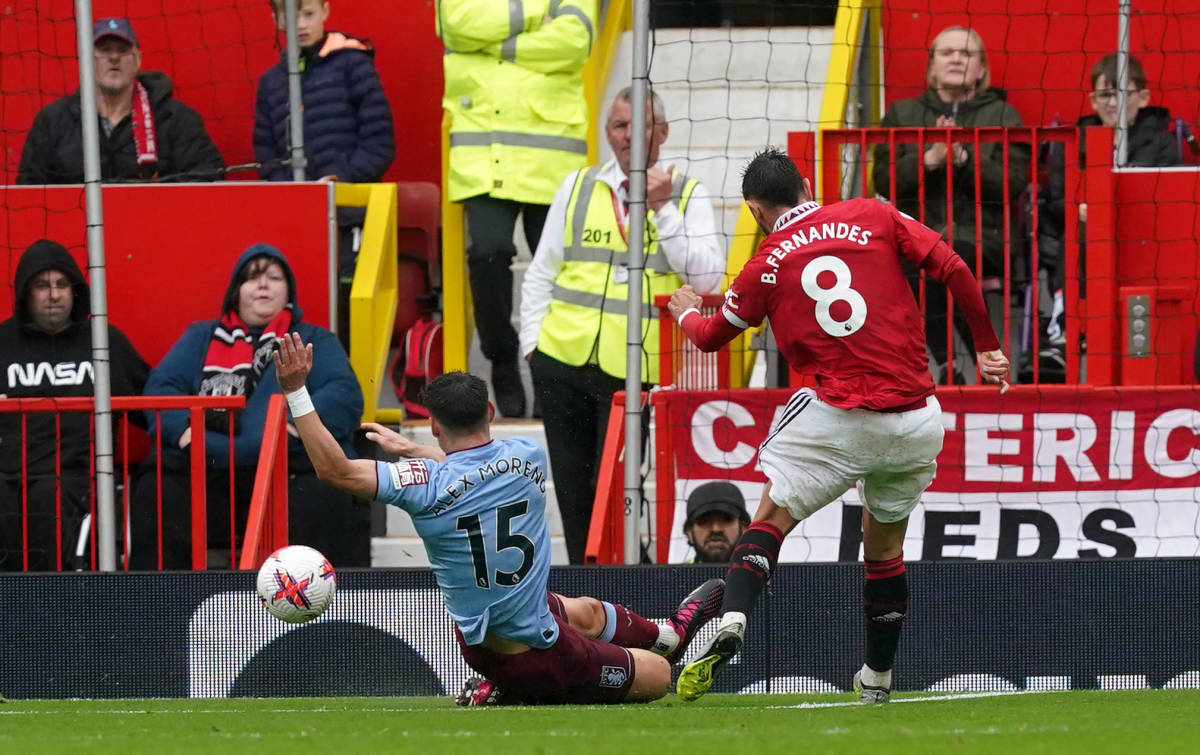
{"points": [[34, 363], [53, 152], [331, 384], [347, 119], [987, 108], [1150, 145]]}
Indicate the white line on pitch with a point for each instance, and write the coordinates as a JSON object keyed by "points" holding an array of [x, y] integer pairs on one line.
{"points": [[930, 699]]}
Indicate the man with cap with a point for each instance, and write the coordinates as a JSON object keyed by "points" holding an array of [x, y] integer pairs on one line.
{"points": [[716, 517], [46, 351], [145, 133]]}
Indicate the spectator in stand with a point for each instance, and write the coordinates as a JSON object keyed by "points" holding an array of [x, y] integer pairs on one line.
{"points": [[518, 124], [1150, 145], [232, 356], [46, 351], [573, 299], [145, 133], [348, 134], [716, 519], [959, 95]]}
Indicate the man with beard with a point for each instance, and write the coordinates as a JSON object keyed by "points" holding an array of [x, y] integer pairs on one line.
{"points": [[716, 518]]}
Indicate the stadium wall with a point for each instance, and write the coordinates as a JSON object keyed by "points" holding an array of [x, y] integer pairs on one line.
{"points": [[170, 248], [1013, 626], [1042, 50]]}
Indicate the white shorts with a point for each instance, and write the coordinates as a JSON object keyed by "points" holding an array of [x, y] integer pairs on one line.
{"points": [[815, 452]]}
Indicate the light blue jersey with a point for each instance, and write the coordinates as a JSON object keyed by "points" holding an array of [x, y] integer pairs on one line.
{"points": [[482, 517]]}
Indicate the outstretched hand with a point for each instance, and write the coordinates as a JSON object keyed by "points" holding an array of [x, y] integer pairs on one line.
{"points": [[389, 440], [684, 298], [993, 366], [293, 362], [394, 443]]}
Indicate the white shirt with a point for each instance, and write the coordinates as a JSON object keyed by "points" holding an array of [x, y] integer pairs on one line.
{"points": [[688, 241]]}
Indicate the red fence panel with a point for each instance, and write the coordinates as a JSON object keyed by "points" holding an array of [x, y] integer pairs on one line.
{"points": [[270, 496]]}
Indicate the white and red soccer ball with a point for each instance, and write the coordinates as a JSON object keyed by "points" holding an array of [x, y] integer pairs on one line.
{"points": [[296, 584]]}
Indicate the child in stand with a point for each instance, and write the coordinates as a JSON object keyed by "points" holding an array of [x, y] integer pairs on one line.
{"points": [[348, 134]]}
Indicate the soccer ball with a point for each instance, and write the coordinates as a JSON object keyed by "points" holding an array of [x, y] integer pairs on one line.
{"points": [[296, 584]]}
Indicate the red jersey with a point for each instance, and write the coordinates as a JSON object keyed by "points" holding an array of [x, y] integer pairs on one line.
{"points": [[831, 281]]}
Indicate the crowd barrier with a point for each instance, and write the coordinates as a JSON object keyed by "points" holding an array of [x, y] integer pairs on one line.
{"points": [[1132, 289], [265, 529]]}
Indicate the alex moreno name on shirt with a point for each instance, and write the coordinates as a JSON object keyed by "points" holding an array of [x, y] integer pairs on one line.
{"points": [[514, 465]]}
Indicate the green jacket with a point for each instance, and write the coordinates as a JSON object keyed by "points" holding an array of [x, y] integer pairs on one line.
{"points": [[988, 108], [514, 94]]}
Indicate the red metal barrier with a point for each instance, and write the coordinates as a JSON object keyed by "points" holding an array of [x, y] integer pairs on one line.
{"points": [[832, 164], [270, 491], [606, 532], [268, 517]]}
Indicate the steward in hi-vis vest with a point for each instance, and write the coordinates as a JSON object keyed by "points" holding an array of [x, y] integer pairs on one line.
{"points": [[514, 93], [574, 298], [518, 125], [588, 310]]}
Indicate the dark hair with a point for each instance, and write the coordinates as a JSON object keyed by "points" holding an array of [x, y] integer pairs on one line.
{"points": [[277, 5], [1107, 67], [772, 178], [252, 269], [458, 401]]}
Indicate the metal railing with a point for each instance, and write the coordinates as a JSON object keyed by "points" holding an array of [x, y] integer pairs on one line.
{"points": [[267, 524]]}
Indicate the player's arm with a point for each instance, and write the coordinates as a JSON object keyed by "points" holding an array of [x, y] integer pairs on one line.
{"points": [[925, 248], [395, 443], [293, 362], [707, 333], [947, 267]]}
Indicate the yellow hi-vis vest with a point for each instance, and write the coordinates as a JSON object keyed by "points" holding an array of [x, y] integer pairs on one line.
{"points": [[514, 93], [588, 308]]}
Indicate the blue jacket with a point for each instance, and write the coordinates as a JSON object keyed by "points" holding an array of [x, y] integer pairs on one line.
{"points": [[334, 389], [347, 119]]}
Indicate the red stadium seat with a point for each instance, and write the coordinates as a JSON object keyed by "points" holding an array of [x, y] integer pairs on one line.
{"points": [[418, 219]]}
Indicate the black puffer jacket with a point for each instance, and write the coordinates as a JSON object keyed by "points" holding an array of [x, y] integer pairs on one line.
{"points": [[53, 152], [34, 363]]}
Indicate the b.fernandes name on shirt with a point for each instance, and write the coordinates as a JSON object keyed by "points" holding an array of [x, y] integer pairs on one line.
{"points": [[816, 232], [514, 465]]}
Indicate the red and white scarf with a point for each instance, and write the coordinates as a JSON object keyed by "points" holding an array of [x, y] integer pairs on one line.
{"points": [[143, 132], [236, 359]]}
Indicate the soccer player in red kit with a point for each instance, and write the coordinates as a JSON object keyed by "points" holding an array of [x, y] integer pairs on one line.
{"points": [[831, 280]]}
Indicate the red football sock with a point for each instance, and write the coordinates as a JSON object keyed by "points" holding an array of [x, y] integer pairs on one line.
{"points": [[625, 628]]}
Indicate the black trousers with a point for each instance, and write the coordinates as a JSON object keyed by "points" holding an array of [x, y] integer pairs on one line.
{"points": [[575, 406], [491, 223], [319, 515], [42, 522]]}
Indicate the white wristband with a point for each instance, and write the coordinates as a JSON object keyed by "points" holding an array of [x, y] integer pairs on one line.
{"points": [[299, 402], [685, 313]]}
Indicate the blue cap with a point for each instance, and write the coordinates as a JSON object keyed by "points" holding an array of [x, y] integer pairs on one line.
{"points": [[114, 27]]}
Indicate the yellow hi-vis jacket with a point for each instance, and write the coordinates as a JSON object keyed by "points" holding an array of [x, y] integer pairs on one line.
{"points": [[514, 92], [588, 309]]}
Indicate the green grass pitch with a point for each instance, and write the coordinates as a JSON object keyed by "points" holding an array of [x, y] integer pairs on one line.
{"points": [[1151, 721]]}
